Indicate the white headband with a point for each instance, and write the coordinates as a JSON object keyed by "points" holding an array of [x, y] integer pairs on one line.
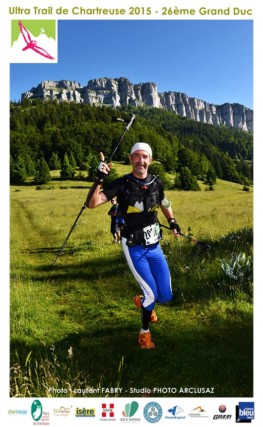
{"points": [[142, 146]]}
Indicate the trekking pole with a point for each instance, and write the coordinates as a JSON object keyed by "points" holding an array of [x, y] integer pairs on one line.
{"points": [[127, 128], [93, 187]]}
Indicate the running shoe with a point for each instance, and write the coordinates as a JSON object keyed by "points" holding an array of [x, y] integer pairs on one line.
{"points": [[145, 341]]}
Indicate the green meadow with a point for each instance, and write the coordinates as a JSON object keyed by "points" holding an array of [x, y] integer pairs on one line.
{"points": [[73, 325]]}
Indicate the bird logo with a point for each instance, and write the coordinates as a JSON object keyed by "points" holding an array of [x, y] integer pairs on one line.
{"points": [[32, 44]]}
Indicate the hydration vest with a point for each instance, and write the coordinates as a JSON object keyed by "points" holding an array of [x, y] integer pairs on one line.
{"points": [[141, 196]]}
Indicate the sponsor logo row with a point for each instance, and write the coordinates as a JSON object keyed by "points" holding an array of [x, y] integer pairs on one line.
{"points": [[134, 411]]}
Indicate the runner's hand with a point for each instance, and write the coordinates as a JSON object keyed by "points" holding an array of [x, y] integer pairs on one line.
{"points": [[174, 226], [103, 168]]}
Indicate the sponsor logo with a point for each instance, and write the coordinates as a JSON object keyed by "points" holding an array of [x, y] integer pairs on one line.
{"points": [[198, 412], [152, 412], [34, 41], [130, 410], [222, 415], [36, 410], [85, 412], [62, 411], [245, 412], [107, 411], [39, 416], [17, 412], [175, 413]]}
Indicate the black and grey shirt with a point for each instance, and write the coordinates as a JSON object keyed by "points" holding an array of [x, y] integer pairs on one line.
{"points": [[138, 200]]}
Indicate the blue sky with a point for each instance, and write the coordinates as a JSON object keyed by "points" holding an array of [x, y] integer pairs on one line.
{"points": [[208, 59]]}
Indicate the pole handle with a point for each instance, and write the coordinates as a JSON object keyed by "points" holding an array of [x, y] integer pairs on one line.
{"points": [[127, 128], [130, 122]]}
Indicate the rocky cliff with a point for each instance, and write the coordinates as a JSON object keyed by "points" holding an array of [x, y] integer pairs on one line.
{"points": [[120, 91]]}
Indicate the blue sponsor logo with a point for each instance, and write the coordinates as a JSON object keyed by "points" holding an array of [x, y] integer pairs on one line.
{"points": [[246, 411], [152, 412], [175, 413]]}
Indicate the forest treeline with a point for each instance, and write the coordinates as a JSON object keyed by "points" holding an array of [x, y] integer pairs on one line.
{"points": [[46, 135]]}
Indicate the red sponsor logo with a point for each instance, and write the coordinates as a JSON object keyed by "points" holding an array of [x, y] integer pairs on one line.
{"points": [[107, 410]]}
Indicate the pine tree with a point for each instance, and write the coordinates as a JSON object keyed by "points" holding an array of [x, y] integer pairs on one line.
{"points": [[67, 171], [42, 172], [72, 160], [18, 173], [188, 181], [54, 162], [92, 167], [30, 165], [211, 177]]}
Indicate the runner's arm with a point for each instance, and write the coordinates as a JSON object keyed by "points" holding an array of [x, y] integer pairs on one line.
{"points": [[168, 212], [97, 198]]}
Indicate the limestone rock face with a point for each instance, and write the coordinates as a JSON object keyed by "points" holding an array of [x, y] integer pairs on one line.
{"points": [[120, 91]]}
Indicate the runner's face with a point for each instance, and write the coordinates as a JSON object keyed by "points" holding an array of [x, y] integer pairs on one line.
{"points": [[140, 161]]}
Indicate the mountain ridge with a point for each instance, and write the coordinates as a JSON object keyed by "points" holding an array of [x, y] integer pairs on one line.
{"points": [[116, 92]]}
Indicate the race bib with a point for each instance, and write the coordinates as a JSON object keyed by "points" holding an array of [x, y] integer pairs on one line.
{"points": [[152, 234]]}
